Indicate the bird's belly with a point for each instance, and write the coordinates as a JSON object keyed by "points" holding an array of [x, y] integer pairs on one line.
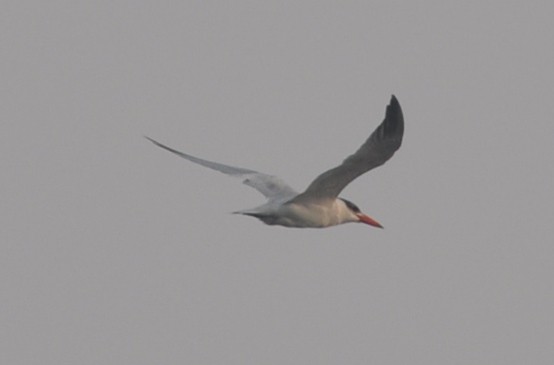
{"points": [[305, 216]]}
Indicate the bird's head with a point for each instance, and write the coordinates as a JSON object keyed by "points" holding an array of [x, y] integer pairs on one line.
{"points": [[358, 216]]}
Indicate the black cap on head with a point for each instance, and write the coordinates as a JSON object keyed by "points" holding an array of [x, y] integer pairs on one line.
{"points": [[353, 207]]}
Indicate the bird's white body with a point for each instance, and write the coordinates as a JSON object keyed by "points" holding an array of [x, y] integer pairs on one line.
{"points": [[319, 205], [317, 214]]}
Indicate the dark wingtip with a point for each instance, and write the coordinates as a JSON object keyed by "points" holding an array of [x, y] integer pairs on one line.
{"points": [[150, 139], [393, 125], [157, 143], [163, 146], [394, 111], [394, 104]]}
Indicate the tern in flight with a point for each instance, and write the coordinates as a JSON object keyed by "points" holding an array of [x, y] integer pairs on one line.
{"points": [[319, 205]]}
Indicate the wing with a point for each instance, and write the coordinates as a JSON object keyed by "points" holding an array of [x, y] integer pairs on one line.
{"points": [[377, 149], [270, 186]]}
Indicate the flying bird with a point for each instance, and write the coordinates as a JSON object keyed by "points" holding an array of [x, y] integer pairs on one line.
{"points": [[319, 205]]}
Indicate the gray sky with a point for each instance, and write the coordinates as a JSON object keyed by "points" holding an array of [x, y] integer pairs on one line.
{"points": [[117, 252]]}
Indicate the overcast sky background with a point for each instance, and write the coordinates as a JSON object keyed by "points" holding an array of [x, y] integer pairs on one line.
{"points": [[114, 251]]}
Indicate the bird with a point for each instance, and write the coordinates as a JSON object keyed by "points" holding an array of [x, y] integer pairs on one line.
{"points": [[318, 206]]}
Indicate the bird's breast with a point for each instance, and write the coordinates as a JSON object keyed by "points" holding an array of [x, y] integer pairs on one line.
{"points": [[307, 215]]}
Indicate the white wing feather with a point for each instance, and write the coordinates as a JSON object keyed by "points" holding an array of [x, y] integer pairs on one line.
{"points": [[272, 187]]}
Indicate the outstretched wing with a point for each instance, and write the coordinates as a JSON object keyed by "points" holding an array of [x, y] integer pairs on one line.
{"points": [[270, 186], [377, 149]]}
